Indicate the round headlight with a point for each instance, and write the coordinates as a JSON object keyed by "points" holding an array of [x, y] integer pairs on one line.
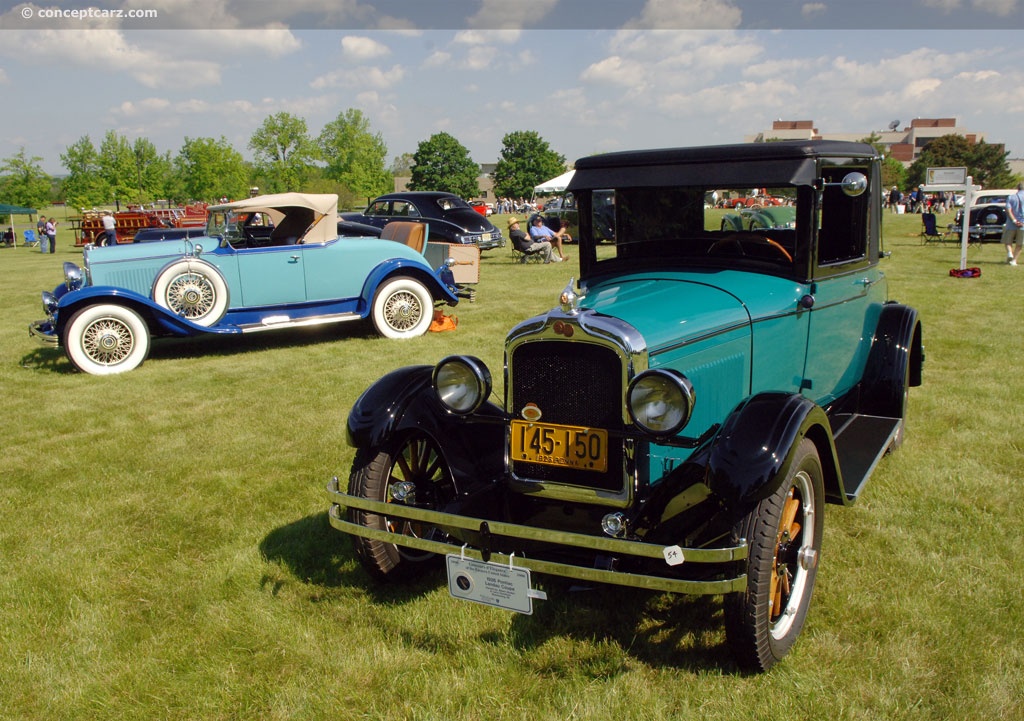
{"points": [[462, 383], [660, 401], [72, 275]]}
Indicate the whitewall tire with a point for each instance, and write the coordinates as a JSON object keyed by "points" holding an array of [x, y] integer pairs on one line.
{"points": [[106, 339]]}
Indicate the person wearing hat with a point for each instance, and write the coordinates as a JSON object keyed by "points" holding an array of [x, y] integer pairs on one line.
{"points": [[526, 245]]}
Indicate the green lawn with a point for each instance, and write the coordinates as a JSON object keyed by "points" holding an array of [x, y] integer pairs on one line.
{"points": [[165, 554]]}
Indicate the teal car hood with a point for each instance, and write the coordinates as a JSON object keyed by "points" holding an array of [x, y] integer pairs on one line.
{"points": [[695, 305]]}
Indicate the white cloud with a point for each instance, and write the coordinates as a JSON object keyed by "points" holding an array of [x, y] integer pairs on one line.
{"points": [[705, 14], [1000, 8], [360, 48], [145, 106], [811, 9], [511, 15], [615, 70], [359, 77], [487, 37]]}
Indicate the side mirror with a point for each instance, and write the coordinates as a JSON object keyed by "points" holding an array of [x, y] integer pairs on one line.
{"points": [[853, 184]]}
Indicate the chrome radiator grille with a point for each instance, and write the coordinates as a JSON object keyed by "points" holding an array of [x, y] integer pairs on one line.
{"points": [[577, 384]]}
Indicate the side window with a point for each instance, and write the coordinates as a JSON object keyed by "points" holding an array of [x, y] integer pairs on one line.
{"points": [[379, 208], [404, 209], [842, 220]]}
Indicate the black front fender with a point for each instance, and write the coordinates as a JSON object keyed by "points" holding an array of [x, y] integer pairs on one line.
{"points": [[404, 401], [751, 454]]}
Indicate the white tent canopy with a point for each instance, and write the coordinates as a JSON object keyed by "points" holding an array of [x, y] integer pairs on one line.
{"points": [[555, 185]]}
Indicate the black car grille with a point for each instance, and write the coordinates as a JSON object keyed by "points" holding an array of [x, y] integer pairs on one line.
{"points": [[577, 384]]}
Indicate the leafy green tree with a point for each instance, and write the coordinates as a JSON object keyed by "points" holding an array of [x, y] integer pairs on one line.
{"points": [[442, 163], [152, 170], [84, 186], [401, 166], [23, 182], [985, 163], [117, 168], [283, 152], [893, 173], [208, 169], [526, 161], [354, 155]]}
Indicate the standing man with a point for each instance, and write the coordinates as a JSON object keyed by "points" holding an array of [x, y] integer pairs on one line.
{"points": [[109, 229], [1013, 233]]}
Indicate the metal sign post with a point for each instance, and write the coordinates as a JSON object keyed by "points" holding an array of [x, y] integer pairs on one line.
{"points": [[958, 181]]}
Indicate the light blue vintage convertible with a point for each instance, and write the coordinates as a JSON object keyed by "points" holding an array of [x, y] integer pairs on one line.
{"points": [[268, 262]]}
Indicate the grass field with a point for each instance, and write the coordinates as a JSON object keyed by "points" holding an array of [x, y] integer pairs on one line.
{"points": [[165, 554]]}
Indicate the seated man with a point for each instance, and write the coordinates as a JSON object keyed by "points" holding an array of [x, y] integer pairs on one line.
{"points": [[524, 244], [541, 232]]}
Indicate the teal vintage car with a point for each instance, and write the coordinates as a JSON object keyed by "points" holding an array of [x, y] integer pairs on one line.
{"points": [[267, 262], [681, 416], [777, 217]]}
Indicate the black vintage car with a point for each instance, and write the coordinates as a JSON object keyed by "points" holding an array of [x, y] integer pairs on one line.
{"points": [[449, 218], [987, 216], [677, 421]]}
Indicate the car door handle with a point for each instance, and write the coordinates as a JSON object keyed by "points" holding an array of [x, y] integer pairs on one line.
{"points": [[295, 258], [868, 282]]}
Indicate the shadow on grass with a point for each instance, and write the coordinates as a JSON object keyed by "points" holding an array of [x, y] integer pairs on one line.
{"points": [[318, 554], [53, 359], [658, 629]]}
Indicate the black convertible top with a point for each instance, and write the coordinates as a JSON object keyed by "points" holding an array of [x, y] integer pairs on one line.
{"points": [[787, 162]]}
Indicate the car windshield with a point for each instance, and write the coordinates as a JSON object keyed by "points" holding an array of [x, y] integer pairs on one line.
{"points": [[765, 229], [700, 224]]}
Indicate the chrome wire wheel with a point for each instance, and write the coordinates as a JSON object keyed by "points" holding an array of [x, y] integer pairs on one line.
{"points": [[402, 308], [105, 339], [108, 341], [402, 311], [191, 295]]}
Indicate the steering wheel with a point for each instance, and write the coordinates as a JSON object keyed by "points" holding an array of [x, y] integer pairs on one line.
{"points": [[733, 244]]}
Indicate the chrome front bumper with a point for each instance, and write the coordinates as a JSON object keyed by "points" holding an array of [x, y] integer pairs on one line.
{"points": [[42, 330], [341, 502]]}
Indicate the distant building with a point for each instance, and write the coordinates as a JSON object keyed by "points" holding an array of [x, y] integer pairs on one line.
{"points": [[903, 145]]}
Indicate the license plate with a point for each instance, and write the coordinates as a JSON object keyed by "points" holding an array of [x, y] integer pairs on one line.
{"points": [[492, 584], [548, 444]]}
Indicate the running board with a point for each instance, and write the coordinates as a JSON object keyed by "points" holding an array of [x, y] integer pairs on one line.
{"points": [[861, 441], [274, 322]]}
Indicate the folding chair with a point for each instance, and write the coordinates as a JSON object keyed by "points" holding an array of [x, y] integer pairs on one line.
{"points": [[929, 231], [30, 239]]}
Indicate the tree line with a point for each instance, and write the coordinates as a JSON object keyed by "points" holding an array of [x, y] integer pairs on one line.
{"points": [[347, 158]]}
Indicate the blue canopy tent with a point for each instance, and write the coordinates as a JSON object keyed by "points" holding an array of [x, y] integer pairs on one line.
{"points": [[11, 211]]}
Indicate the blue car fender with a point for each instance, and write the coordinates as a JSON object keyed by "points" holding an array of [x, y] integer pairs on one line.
{"points": [[160, 320], [404, 266]]}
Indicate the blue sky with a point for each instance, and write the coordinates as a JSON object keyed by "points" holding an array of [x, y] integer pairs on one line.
{"points": [[588, 75]]}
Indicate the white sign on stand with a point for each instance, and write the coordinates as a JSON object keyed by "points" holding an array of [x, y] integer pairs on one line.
{"points": [[939, 179]]}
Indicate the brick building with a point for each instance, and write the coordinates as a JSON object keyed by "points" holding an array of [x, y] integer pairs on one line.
{"points": [[903, 145]]}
